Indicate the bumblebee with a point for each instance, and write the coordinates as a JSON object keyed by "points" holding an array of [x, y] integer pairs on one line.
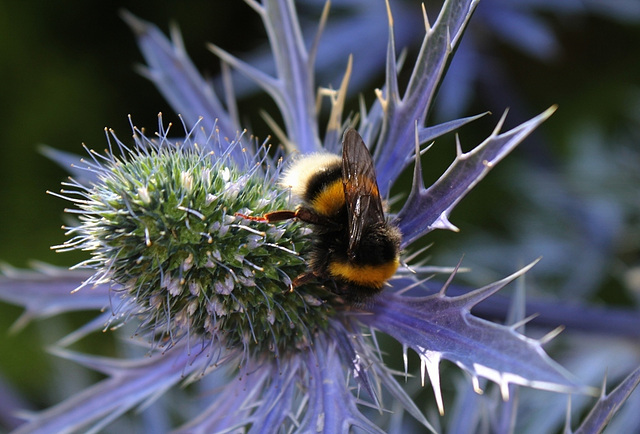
{"points": [[354, 250]]}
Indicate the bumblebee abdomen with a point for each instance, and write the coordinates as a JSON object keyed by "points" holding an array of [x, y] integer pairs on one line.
{"points": [[369, 276], [375, 260]]}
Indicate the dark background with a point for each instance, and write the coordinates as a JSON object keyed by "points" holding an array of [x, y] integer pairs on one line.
{"points": [[67, 71]]}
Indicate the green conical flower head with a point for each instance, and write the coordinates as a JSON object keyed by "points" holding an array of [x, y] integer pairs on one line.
{"points": [[161, 222]]}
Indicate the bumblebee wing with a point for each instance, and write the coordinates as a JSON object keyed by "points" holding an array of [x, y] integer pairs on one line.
{"points": [[364, 206]]}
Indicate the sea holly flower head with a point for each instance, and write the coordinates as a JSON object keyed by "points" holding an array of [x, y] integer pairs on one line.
{"points": [[171, 251], [161, 222]]}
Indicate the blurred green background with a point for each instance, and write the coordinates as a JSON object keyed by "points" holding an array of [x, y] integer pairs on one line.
{"points": [[67, 72]]}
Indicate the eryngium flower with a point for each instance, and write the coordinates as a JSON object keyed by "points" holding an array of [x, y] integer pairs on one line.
{"points": [[210, 292], [211, 288], [161, 223]]}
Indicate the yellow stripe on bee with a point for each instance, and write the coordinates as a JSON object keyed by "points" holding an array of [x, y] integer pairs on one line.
{"points": [[330, 200], [373, 276]]}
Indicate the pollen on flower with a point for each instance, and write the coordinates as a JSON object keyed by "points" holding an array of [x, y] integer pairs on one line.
{"points": [[144, 195], [187, 181], [160, 222], [187, 263]]}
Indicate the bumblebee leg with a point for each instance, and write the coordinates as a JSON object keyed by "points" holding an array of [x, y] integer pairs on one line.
{"points": [[309, 216], [303, 278], [270, 217], [303, 214], [277, 216]]}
